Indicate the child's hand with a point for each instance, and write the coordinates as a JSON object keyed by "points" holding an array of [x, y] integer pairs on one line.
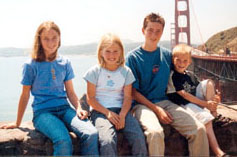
{"points": [[163, 115], [211, 105], [217, 98], [82, 114], [8, 126], [113, 118], [121, 122]]}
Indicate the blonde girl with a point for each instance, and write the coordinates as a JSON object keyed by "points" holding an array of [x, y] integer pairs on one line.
{"points": [[109, 87]]}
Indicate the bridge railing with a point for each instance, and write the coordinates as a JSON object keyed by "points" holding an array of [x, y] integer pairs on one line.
{"points": [[221, 69], [214, 57]]}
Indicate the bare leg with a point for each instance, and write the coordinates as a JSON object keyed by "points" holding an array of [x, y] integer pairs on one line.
{"points": [[212, 140], [210, 93], [210, 90]]}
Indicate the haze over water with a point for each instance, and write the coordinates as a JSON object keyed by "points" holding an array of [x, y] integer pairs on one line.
{"points": [[10, 86]]}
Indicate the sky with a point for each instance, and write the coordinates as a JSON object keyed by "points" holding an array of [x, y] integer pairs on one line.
{"points": [[85, 21]]}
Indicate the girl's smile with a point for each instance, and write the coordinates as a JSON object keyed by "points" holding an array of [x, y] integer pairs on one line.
{"points": [[50, 41], [111, 56]]}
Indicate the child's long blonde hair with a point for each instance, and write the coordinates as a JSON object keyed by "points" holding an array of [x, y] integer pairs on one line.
{"points": [[106, 41]]}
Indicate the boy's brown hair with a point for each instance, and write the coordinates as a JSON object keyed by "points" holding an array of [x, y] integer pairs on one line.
{"points": [[153, 17]]}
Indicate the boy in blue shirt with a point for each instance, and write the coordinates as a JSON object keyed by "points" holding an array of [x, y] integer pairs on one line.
{"points": [[150, 65]]}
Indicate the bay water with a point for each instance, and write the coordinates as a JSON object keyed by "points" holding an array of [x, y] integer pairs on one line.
{"points": [[10, 86]]}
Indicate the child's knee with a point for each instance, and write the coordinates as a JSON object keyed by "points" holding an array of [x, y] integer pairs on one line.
{"points": [[210, 84], [208, 124], [157, 134]]}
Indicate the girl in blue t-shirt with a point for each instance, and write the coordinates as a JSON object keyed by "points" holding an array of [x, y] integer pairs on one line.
{"points": [[49, 79], [109, 93]]}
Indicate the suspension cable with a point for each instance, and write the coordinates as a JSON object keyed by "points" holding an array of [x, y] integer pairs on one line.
{"points": [[195, 17]]}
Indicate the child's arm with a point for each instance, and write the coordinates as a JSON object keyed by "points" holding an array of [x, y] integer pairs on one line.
{"points": [[91, 93], [74, 100], [211, 105], [127, 101], [24, 98]]}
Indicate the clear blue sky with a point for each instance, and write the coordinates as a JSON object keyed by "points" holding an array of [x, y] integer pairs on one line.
{"points": [[84, 21]]}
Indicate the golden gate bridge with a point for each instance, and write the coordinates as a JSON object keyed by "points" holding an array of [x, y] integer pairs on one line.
{"points": [[221, 69]]}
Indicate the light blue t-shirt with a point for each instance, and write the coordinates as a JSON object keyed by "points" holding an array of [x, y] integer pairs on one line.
{"points": [[109, 84], [47, 82], [151, 70]]}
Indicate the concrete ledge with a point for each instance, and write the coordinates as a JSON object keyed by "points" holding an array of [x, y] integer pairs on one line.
{"points": [[27, 141]]}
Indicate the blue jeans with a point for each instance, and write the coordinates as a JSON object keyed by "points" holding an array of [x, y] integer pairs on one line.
{"points": [[108, 134], [56, 122]]}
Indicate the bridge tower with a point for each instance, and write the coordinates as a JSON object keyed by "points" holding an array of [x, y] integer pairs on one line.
{"points": [[181, 26]]}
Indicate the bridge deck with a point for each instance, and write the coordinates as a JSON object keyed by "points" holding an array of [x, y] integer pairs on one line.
{"points": [[217, 58]]}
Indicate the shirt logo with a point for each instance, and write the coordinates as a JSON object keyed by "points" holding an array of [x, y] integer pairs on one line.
{"points": [[110, 83], [187, 87], [53, 74], [155, 69]]}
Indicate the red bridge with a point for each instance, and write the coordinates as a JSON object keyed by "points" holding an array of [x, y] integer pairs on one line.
{"points": [[221, 69]]}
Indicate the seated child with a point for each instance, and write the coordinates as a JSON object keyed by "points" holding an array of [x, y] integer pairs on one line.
{"points": [[199, 98], [109, 93]]}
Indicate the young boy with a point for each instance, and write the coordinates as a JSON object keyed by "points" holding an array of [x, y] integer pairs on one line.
{"points": [[196, 97], [150, 65]]}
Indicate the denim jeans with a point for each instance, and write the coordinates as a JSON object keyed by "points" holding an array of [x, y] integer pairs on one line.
{"points": [[108, 134], [56, 122]]}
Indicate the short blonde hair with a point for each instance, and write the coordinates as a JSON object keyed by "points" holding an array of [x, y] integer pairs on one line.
{"points": [[106, 41], [182, 49]]}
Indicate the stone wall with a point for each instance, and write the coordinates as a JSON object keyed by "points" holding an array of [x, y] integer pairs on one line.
{"points": [[27, 141]]}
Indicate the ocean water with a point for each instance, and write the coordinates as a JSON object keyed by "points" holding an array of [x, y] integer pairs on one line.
{"points": [[10, 86]]}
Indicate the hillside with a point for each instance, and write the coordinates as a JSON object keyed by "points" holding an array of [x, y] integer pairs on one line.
{"points": [[11, 51], [87, 49], [218, 42]]}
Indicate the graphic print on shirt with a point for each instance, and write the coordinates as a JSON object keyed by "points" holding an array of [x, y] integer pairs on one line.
{"points": [[155, 69], [187, 87], [110, 83], [53, 73]]}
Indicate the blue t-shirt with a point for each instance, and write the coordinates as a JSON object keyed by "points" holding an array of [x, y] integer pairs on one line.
{"points": [[151, 70], [47, 82]]}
